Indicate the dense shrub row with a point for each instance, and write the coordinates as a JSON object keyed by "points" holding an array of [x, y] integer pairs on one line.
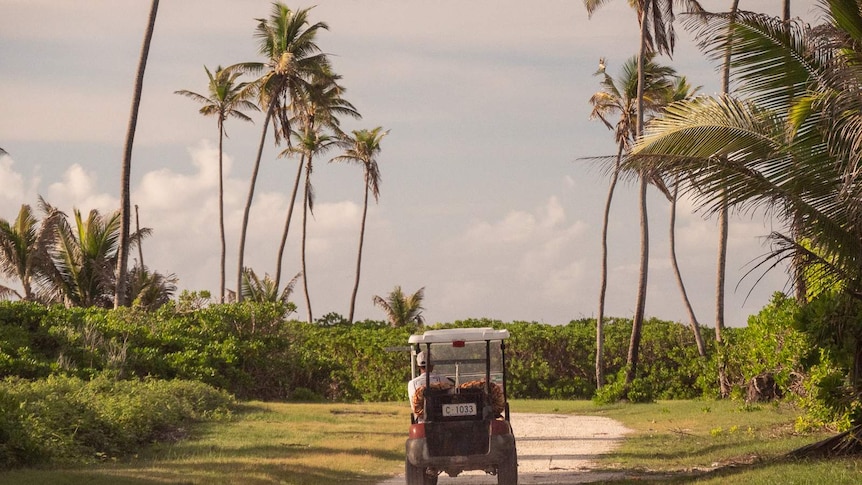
{"points": [[92, 383], [249, 351], [245, 349], [59, 419]]}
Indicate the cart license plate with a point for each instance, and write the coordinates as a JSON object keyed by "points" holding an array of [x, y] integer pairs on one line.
{"points": [[466, 409]]}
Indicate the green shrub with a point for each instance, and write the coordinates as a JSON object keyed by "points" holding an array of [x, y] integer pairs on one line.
{"points": [[828, 399], [640, 390], [66, 419], [17, 444]]}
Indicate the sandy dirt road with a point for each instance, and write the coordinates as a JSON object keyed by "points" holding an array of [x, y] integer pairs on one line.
{"points": [[552, 449]]}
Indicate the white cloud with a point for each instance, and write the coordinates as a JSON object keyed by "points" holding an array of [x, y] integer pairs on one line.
{"points": [[526, 265], [165, 190], [77, 189], [12, 186]]}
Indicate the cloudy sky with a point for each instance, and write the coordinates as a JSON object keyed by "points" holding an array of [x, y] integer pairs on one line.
{"points": [[487, 200]]}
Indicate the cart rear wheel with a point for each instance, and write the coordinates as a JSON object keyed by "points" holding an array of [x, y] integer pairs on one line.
{"points": [[507, 471], [417, 476]]}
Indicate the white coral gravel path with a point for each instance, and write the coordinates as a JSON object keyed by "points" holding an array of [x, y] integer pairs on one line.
{"points": [[552, 449]]}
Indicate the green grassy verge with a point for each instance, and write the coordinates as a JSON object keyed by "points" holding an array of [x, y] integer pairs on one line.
{"points": [[710, 442], [267, 443], [707, 442]]}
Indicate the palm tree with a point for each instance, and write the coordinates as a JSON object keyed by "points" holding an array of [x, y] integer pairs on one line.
{"points": [[363, 149], [315, 106], [782, 148], [401, 309], [655, 18], [319, 106], [287, 41], [605, 101], [620, 97], [265, 290], [150, 290], [790, 147], [84, 259], [125, 177], [682, 90], [308, 145], [723, 215], [24, 246], [227, 98]]}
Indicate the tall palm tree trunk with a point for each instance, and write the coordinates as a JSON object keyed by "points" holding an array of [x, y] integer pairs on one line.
{"points": [[125, 177], [359, 253], [723, 213], [305, 207], [799, 283], [724, 386], [247, 210], [637, 322], [221, 231], [695, 326], [640, 305], [283, 243], [603, 286]]}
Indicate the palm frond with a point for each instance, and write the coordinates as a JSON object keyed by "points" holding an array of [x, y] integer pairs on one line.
{"points": [[771, 60]]}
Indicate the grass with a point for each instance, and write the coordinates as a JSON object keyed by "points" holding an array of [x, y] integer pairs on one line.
{"points": [[709, 442], [267, 443]]}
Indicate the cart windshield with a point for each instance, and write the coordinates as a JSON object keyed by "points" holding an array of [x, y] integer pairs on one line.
{"points": [[467, 361]]}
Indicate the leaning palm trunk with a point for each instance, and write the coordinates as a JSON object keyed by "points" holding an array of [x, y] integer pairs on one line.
{"points": [[695, 326], [247, 210], [125, 182], [283, 243], [359, 255], [640, 305], [603, 287]]}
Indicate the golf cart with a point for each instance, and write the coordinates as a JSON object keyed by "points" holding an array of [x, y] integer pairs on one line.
{"points": [[460, 418]]}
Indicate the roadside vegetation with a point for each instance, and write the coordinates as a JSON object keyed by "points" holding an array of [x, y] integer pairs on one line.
{"points": [[249, 351], [262, 443], [682, 441], [63, 420]]}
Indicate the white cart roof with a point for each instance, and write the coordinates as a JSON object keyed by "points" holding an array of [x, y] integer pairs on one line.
{"points": [[459, 334]]}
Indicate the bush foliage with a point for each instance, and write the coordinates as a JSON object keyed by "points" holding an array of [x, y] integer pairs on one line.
{"points": [[66, 419], [250, 351]]}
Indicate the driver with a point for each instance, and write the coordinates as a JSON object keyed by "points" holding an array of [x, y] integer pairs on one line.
{"points": [[420, 380]]}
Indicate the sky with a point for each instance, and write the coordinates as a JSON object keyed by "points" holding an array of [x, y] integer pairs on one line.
{"points": [[489, 200]]}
